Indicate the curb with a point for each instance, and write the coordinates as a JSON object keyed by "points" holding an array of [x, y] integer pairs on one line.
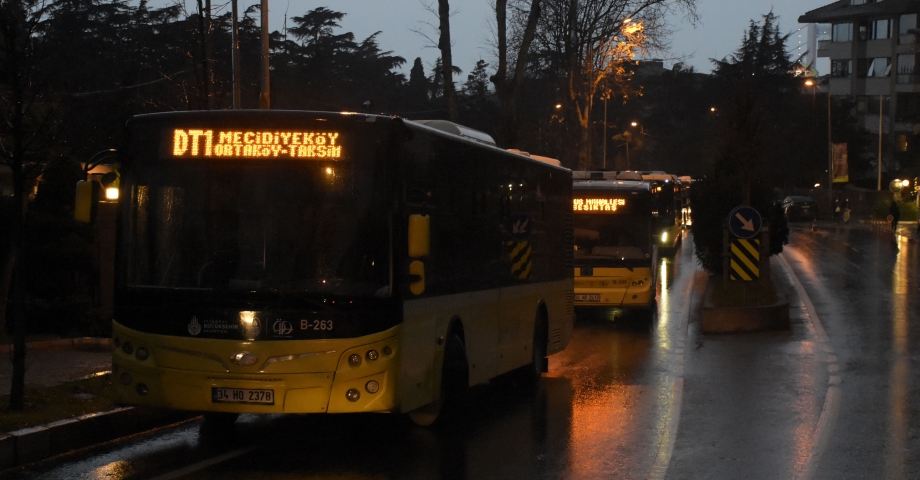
{"points": [[745, 319], [83, 343], [39, 443]]}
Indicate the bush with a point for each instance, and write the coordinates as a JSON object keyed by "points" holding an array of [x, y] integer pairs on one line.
{"points": [[712, 200]]}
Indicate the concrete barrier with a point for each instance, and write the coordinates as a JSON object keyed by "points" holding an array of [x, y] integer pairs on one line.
{"points": [[744, 319]]}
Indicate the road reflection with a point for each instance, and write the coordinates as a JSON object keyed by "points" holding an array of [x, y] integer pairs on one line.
{"points": [[899, 391]]}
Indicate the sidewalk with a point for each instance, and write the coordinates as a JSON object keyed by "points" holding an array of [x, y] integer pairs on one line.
{"points": [[58, 361]]}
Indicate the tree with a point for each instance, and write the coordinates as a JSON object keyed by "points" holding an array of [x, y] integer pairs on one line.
{"points": [[765, 94], [589, 43], [764, 90], [505, 87], [26, 118], [418, 83], [447, 65], [477, 82]]}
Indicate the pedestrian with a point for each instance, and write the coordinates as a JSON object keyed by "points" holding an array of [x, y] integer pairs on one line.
{"points": [[836, 210], [895, 214], [846, 210]]}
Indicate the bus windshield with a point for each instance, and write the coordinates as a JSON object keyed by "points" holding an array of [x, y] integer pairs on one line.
{"points": [[606, 240], [257, 225]]}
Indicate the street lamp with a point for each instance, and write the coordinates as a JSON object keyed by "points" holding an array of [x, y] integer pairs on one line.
{"points": [[830, 143]]}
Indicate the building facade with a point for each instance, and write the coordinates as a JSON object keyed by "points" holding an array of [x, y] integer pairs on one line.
{"points": [[873, 47]]}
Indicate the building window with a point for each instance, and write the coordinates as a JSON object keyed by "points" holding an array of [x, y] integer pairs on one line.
{"points": [[908, 107], [843, 32], [840, 68], [824, 32], [879, 67], [908, 21], [872, 107], [881, 29], [907, 66]]}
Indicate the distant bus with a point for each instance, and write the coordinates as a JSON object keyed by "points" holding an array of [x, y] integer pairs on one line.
{"points": [[315, 262], [669, 206], [615, 252]]}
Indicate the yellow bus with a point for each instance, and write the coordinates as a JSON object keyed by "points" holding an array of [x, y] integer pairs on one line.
{"points": [[615, 252], [669, 207], [316, 262]]}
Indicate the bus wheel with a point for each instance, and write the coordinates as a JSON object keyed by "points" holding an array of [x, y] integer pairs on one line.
{"points": [[220, 419], [455, 378], [539, 364]]}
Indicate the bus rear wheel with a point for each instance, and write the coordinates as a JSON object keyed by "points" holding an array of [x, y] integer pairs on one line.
{"points": [[539, 364], [455, 378]]}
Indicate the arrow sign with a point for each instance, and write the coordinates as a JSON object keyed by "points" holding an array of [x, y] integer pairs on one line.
{"points": [[744, 222]]}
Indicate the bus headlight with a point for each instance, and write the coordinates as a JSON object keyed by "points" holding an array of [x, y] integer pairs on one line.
{"points": [[142, 354], [372, 355], [664, 236], [354, 360]]}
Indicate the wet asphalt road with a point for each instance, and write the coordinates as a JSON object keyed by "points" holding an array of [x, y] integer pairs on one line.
{"points": [[832, 398]]}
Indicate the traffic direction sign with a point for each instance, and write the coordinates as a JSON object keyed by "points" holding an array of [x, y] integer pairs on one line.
{"points": [[744, 222]]}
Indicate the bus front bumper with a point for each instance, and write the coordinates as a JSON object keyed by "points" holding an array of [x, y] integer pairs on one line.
{"points": [[368, 386]]}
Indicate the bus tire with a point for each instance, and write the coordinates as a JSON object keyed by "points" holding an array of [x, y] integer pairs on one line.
{"points": [[455, 378], [540, 363], [220, 419]]}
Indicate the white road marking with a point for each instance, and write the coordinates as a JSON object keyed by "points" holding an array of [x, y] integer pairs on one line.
{"points": [[205, 464], [828, 419], [669, 434]]}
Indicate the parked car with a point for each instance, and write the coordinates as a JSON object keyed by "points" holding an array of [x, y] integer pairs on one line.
{"points": [[797, 207]]}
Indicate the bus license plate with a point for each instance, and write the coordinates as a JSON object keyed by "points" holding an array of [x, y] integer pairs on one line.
{"points": [[592, 297], [242, 395]]}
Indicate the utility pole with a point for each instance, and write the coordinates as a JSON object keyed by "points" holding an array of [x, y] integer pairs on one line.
{"points": [[264, 96], [236, 58], [605, 130], [880, 107]]}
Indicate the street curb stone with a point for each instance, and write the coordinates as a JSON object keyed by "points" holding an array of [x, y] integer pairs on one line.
{"points": [[34, 444]]}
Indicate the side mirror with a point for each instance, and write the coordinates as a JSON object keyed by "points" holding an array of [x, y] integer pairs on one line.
{"points": [[87, 197]]}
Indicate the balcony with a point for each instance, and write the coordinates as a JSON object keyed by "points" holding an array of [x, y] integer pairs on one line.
{"points": [[905, 78]]}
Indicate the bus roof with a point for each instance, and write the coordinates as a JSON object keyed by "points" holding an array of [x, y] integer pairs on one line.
{"points": [[647, 175], [459, 130], [606, 175], [612, 185]]}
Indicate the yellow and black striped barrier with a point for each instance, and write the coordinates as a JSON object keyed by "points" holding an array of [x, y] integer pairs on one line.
{"points": [[745, 259]]}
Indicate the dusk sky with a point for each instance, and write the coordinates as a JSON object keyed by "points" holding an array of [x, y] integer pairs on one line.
{"points": [[718, 34]]}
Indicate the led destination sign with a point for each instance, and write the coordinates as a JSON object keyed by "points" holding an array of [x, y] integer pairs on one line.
{"points": [[598, 205], [197, 143]]}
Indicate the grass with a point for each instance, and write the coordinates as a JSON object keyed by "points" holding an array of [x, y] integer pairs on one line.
{"points": [[742, 294], [45, 405]]}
